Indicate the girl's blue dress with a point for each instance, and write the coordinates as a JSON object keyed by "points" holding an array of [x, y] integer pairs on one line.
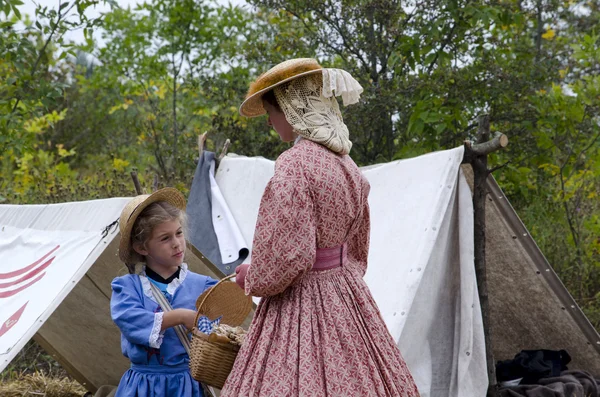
{"points": [[159, 363]]}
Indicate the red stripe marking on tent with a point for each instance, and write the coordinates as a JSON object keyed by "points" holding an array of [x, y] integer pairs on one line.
{"points": [[12, 320], [27, 268], [29, 275], [7, 294]]}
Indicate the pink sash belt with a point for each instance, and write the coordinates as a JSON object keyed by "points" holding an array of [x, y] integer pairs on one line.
{"points": [[330, 258]]}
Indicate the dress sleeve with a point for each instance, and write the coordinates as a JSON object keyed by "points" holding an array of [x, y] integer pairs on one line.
{"points": [[210, 282], [285, 238], [138, 325], [358, 241]]}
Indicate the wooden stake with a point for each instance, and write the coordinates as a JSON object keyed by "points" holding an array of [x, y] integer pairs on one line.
{"points": [[155, 183], [136, 183], [499, 141], [223, 153], [201, 141]]}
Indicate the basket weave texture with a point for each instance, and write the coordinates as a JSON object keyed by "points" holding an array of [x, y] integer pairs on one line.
{"points": [[211, 362]]}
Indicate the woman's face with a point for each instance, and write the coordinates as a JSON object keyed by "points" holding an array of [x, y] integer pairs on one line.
{"points": [[278, 121]]}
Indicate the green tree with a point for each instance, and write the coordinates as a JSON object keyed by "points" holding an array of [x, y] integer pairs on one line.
{"points": [[431, 68], [30, 65], [157, 57]]}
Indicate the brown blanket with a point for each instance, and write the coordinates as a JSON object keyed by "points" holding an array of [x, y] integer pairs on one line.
{"points": [[568, 384]]}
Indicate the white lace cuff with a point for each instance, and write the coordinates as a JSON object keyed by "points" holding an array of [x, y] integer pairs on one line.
{"points": [[340, 82], [156, 336]]}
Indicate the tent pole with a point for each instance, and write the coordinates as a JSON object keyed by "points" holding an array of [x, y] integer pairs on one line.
{"points": [[223, 153], [136, 183], [201, 141], [476, 155]]}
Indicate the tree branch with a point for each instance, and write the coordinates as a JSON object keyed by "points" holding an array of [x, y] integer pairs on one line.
{"points": [[585, 149], [496, 168], [445, 43], [499, 141], [308, 28], [336, 27], [42, 52], [175, 131]]}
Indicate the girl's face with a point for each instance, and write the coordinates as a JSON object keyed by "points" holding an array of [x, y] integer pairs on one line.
{"points": [[164, 249], [279, 123]]}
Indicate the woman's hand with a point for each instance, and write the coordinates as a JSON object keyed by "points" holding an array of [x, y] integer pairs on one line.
{"points": [[185, 317], [240, 275]]}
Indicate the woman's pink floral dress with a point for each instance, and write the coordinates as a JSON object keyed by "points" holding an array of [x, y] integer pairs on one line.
{"points": [[315, 333]]}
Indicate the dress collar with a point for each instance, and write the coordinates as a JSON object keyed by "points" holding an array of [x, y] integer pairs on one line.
{"points": [[157, 277], [171, 287]]}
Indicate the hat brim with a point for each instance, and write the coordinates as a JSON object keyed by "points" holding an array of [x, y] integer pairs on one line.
{"points": [[170, 195], [253, 107]]}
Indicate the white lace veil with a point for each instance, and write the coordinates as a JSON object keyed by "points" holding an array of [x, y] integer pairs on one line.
{"points": [[310, 106]]}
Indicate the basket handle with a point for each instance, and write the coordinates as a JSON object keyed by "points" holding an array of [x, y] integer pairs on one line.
{"points": [[207, 295]]}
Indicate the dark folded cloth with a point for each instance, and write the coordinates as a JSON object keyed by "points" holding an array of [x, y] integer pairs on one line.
{"points": [[532, 365], [568, 384], [591, 386]]}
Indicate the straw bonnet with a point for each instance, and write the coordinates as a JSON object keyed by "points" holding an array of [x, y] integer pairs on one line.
{"points": [[131, 212], [277, 75]]}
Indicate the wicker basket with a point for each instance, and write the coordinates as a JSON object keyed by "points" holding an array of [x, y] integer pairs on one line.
{"points": [[211, 362]]}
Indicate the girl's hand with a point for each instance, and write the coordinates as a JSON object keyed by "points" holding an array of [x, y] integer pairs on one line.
{"points": [[185, 317], [188, 318]]}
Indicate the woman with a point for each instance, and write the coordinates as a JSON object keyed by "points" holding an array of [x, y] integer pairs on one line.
{"points": [[317, 331]]}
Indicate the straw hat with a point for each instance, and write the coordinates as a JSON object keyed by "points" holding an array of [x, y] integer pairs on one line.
{"points": [[277, 75], [131, 212]]}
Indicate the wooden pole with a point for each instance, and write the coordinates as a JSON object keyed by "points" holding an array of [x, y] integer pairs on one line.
{"points": [[500, 141], [155, 183], [136, 183], [223, 153], [476, 155], [480, 172], [201, 141]]}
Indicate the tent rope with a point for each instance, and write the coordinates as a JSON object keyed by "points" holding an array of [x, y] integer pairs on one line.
{"points": [[107, 229]]}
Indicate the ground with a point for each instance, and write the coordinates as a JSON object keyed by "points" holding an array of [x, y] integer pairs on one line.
{"points": [[35, 372]]}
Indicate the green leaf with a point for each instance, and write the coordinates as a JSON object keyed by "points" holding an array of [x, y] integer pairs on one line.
{"points": [[17, 12], [417, 127], [429, 58]]}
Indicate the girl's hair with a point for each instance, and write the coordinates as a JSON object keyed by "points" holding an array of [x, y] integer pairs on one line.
{"points": [[270, 98], [152, 216]]}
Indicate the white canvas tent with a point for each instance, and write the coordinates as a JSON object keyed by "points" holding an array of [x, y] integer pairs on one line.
{"points": [[421, 274], [37, 283]]}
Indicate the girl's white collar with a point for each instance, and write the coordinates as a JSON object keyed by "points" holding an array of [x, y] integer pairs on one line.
{"points": [[171, 288]]}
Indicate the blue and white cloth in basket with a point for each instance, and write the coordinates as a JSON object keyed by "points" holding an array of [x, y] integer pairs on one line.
{"points": [[206, 326]]}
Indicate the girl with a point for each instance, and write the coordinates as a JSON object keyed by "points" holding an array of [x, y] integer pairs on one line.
{"points": [[317, 331], [152, 232]]}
